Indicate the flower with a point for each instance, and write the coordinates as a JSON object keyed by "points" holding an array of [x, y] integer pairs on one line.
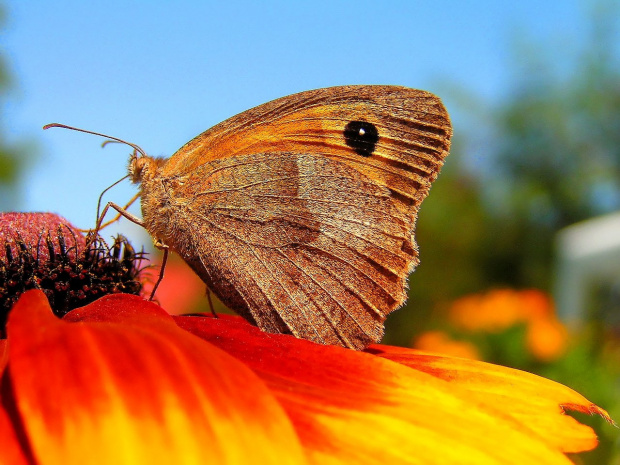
{"points": [[439, 341], [497, 310], [492, 311], [44, 251], [122, 381]]}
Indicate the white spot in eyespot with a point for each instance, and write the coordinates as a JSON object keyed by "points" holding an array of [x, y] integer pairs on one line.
{"points": [[362, 132]]}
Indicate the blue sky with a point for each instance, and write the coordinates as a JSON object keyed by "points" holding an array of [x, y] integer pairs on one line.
{"points": [[159, 73]]}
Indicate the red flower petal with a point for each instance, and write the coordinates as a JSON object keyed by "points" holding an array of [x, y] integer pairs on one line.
{"points": [[9, 444], [353, 407], [119, 381], [11, 450], [126, 385], [4, 354], [534, 401]]}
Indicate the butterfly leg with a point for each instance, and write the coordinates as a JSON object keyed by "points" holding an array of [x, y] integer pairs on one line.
{"points": [[208, 292], [134, 219], [121, 211], [93, 234], [118, 215], [163, 247]]}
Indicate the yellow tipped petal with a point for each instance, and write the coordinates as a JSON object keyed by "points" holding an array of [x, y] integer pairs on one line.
{"points": [[533, 401], [354, 407]]}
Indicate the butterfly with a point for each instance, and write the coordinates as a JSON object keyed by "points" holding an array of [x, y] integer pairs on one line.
{"points": [[299, 214]]}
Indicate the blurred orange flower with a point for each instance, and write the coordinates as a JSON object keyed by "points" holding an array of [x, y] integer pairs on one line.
{"points": [[546, 338], [122, 381], [500, 309], [440, 342]]}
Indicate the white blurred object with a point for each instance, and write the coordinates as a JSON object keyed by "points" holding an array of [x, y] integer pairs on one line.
{"points": [[588, 253]]}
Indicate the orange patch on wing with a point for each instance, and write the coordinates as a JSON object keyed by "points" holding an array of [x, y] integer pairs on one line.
{"points": [[533, 401]]}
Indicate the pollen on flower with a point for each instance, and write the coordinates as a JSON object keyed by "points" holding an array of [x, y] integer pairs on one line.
{"points": [[44, 251]]}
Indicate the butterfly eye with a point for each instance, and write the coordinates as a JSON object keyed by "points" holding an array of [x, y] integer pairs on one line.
{"points": [[361, 136]]}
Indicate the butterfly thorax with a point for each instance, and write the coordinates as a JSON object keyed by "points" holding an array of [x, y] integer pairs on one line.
{"points": [[159, 200]]}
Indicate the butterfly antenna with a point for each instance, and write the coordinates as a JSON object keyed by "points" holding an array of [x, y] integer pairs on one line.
{"points": [[115, 139], [106, 142]]}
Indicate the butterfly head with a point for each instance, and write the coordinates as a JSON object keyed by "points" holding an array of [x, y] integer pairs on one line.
{"points": [[136, 167], [142, 167]]}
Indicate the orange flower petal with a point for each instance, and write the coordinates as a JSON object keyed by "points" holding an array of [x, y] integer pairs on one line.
{"points": [[9, 444], [11, 452], [126, 385], [532, 400], [353, 407]]}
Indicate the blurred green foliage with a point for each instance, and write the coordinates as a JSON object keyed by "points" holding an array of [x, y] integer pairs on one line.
{"points": [[13, 159], [545, 157]]}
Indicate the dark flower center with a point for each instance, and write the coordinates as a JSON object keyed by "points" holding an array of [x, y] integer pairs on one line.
{"points": [[71, 276]]}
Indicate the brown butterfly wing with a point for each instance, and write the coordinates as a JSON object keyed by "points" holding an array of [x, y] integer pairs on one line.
{"points": [[299, 244], [300, 213], [413, 135]]}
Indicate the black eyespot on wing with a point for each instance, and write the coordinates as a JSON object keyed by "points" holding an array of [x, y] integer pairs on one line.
{"points": [[362, 137]]}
